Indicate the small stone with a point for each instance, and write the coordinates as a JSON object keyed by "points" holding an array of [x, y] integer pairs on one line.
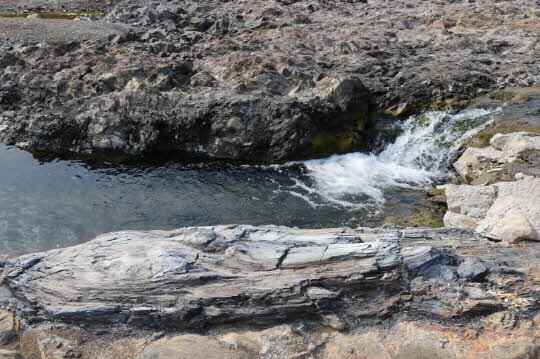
{"points": [[470, 334], [502, 319], [334, 322], [203, 79], [34, 16], [536, 320], [55, 347], [472, 268]]}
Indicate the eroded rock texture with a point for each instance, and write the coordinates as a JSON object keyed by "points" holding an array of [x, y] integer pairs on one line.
{"points": [[508, 155], [258, 80]]}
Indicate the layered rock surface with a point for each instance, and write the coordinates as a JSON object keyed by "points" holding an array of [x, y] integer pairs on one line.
{"points": [[107, 298], [194, 277]]}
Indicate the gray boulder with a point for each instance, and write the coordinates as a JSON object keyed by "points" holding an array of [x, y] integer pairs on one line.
{"points": [[198, 276]]}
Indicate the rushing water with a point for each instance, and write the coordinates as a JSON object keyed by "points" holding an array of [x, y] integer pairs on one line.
{"points": [[47, 204], [420, 155]]}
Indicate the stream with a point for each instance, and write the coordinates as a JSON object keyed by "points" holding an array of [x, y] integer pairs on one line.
{"points": [[52, 203]]}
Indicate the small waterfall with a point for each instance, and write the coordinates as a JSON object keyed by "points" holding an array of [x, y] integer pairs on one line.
{"points": [[421, 155]]}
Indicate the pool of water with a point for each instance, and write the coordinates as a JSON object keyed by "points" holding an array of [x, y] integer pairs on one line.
{"points": [[49, 203], [45, 205]]}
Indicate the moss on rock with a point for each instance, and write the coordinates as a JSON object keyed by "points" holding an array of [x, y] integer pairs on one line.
{"points": [[329, 143], [420, 219], [438, 191]]}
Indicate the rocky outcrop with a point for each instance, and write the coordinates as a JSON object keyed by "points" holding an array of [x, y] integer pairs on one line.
{"points": [[411, 340], [137, 107], [198, 276], [258, 80], [111, 297], [507, 156], [194, 277], [505, 211]]}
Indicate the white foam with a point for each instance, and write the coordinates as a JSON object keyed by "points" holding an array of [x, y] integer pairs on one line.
{"points": [[418, 157]]}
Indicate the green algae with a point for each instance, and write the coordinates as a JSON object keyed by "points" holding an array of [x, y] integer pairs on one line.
{"points": [[328, 143], [438, 191], [420, 219]]}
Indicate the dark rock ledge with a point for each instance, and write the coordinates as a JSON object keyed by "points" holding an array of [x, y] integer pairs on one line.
{"points": [[260, 80]]}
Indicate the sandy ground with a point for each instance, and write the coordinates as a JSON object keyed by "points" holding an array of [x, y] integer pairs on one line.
{"points": [[18, 6], [38, 30]]}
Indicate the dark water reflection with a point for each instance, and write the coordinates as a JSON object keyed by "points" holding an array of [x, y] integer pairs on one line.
{"points": [[57, 203]]}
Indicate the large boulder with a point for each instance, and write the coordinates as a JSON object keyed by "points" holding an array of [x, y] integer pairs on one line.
{"points": [[507, 211], [193, 277], [502, 203], [468, 204], [515, 214]]}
